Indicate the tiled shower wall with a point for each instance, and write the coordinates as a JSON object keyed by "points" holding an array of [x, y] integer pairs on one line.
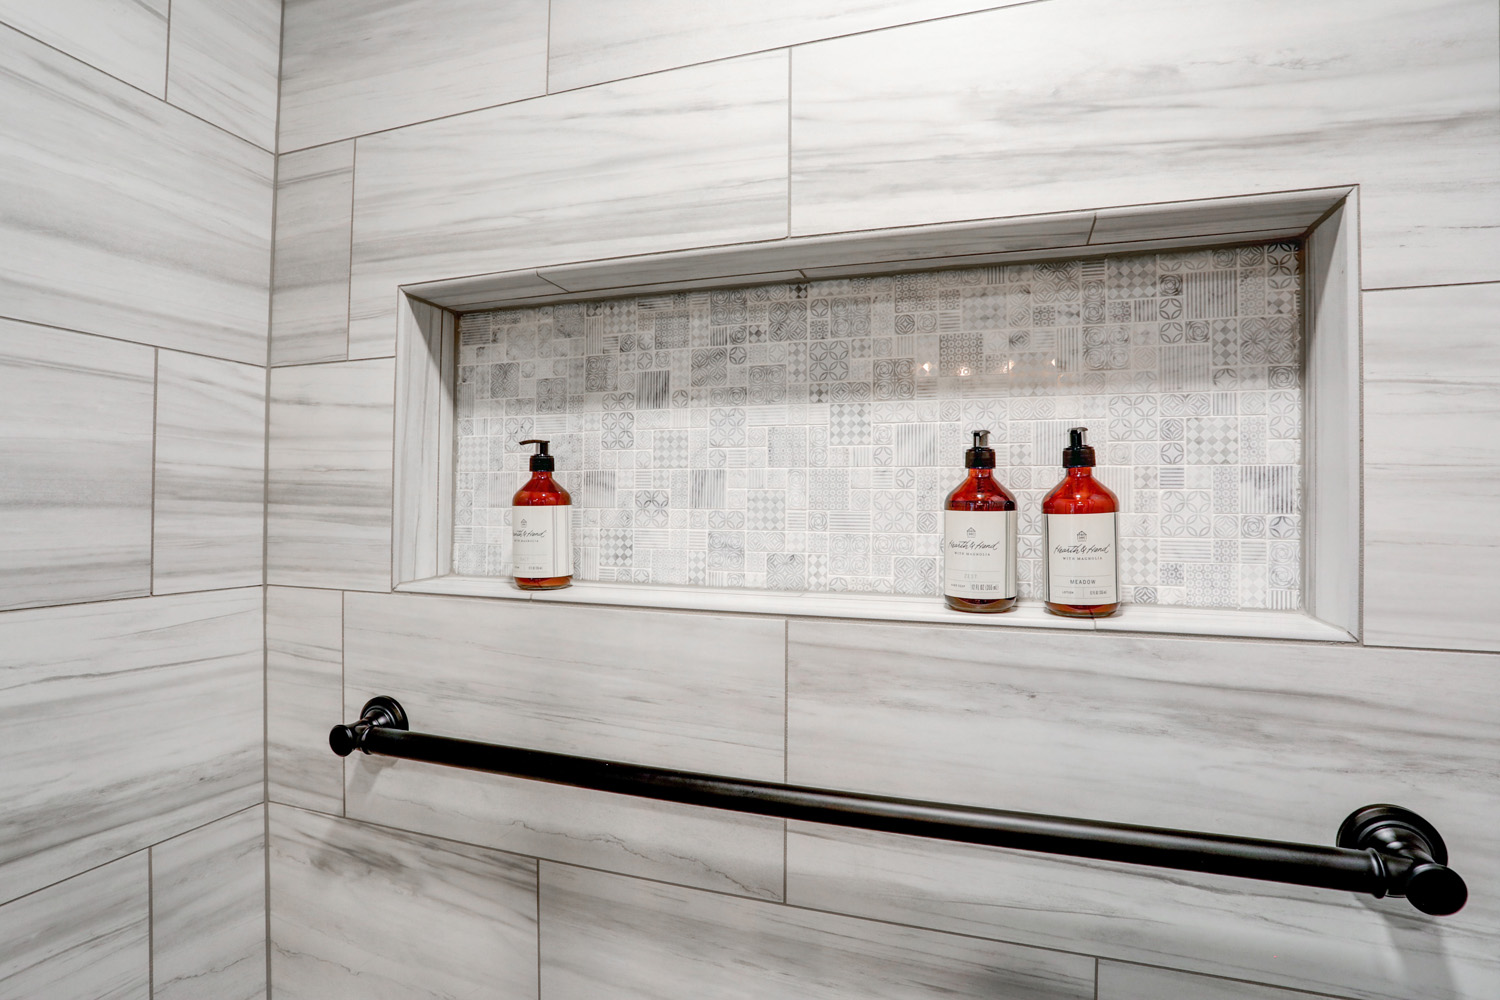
{"points": [[135, 233], [659, 127], [804, 436]]}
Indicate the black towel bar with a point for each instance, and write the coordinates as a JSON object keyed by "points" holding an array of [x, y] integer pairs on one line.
{"points": [[1383, 850]]}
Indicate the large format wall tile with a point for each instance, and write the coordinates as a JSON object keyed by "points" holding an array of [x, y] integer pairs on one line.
{"points": [[1118, 981], [210, 474], [640, 36], [356, 66], [1432, 442], [361, 911], [988, 115], [128, 722], [705, 848], [562, 178], [75, 446], [304, 691], [310, 288], [1278, 741], [225, 57], [86, 938], [698, 692], [604, 935], [125, 40], [208, 902], [125, 216], [329, 475]]}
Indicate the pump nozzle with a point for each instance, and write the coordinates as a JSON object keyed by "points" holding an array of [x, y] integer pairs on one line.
{"points": [[541, 461], [1077, 453], [981, 456]]}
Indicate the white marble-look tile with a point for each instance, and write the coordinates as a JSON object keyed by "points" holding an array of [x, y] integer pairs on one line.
{"points": [[75, 446], [1119, 981], [126, 40], [1433, 333], [210, 474], [126, 216], [87, 937], [1432, 512], [304, 690], [310, 287], [605, 935], [704, 848], [208, 901], [127, 722], [702, 161], [350, 67], [329, 475], [697, 692], [361, 911], [642, 36], [1432, 413], [225, 59], [1248, 622], [985, 115], [1255, 739]]}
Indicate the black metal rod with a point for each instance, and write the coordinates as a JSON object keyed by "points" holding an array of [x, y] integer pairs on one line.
{"points": [[1383, 850]]}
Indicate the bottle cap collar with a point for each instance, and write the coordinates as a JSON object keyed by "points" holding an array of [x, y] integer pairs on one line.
{"points": [[981, 456], [1077, 454], [541, 461]]}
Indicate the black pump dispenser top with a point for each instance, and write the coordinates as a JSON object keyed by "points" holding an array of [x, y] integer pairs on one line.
{"points": [[541, 461], [981, 456], [1077, 453]]}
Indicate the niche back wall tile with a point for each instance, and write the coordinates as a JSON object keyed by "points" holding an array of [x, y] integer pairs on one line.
{"points": [[804, 436]]}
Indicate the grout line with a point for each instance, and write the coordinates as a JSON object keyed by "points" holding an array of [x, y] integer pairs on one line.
{"points": [[789, 143], [349, 276], [166, 72], [155, 433], [150, 922], [1096, 977], [538, 863], [126, 340], [1408, 288], [343, 696], [547, 89]]}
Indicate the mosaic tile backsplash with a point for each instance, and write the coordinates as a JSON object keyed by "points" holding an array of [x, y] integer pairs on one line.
{"points": [[803, 437]]}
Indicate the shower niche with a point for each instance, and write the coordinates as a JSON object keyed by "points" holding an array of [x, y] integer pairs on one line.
{"points": [[772, 427]]}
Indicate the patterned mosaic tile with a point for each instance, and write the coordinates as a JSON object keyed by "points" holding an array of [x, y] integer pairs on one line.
{"points": [[802, 437]]}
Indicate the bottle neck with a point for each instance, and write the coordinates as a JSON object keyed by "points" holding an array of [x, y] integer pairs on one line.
{"points": [[541, 475], [1081, 472]]}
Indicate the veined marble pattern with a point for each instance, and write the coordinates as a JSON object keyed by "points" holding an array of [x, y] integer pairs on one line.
{"points": [[210, 474], [175, 681], [85, 937], [702, 162], [705, 848], [75, 445], [355, 66], [125, 216], [1432, 403], [604, 935], [225, 58], [1118, 981], [1100, 729], [310, 288], [208, 911], [304, 689], [360, 910], [329, 475], [803, 436], [641, 36], [616, 684], [125, 40], [978, 116]]}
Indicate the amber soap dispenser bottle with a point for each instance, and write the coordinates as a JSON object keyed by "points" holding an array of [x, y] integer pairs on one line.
{"points": [[1079, 537], [979, 537], [541, 527]]}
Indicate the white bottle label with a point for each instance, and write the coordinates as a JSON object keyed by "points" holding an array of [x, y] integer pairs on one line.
{"points": [[1081, 559], [979, 554], [542, 541]]}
